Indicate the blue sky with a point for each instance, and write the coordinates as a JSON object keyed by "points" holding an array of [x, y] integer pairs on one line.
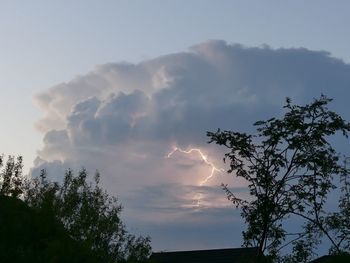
{"points": [[53, 49]]}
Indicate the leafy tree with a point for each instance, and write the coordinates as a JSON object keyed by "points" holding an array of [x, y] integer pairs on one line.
{"points": [[89, 215], [11, 179], [289, 165], [28, 235], [339, 222]]}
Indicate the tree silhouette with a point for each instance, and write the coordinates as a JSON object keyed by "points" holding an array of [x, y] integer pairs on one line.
{"points": [[289, 165], [29, 235], [77, 212], [89, 215], [11, 179]]}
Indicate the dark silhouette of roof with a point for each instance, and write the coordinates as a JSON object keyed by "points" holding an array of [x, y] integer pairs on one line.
{"points": [[332, 259], [230, 255]]}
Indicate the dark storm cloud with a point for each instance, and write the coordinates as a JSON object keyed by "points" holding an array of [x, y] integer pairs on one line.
{"points": [[123, 118], [182, 95]]}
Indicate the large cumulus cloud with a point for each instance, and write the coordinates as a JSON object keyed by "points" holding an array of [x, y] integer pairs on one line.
{"points": [[123, 119]]}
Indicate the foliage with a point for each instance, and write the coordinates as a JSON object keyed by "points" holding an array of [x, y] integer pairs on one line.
{"points": [[89, 215], [339, 222], [289, 166], [11, 179], [27, 235]]}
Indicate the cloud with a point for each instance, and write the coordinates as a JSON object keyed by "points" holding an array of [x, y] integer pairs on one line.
{"points": [[123, 119]]}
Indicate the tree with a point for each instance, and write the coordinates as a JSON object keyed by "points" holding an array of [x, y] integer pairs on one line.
{"points": [[28, 235], [11, 179], [89, 215], [289, 165], [339, 222]]}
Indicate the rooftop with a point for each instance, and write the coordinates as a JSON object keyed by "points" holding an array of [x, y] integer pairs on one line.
{"points": [[230, 255]]}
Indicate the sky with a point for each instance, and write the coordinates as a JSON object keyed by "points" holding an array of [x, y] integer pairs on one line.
{"points": [[117, 85]]}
